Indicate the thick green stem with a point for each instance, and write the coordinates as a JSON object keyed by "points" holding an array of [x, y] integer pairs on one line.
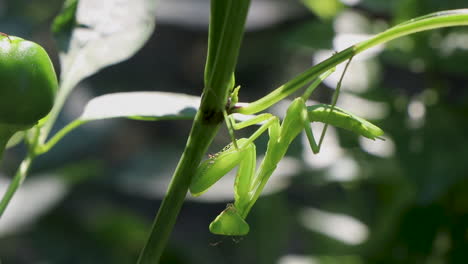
{"points": [[226, 32], [200, 138]]}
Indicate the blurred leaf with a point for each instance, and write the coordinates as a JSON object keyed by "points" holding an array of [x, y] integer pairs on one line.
{"points": [[81, 171], [148, 106], [94, 34], [341, 227], [383, 6], [324, 9], [36, 197], [65, 21], [15, 139], [142, 106], [312, 34], [119, 229]]}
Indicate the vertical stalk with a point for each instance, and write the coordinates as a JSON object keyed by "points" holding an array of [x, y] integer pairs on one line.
{"points": [[201, 135], [225, 36]]}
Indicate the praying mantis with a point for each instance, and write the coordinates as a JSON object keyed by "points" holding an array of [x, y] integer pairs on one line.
{"points": [[249, 182]]}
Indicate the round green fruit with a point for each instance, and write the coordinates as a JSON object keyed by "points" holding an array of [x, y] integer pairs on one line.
{"points": [[28, 82]]}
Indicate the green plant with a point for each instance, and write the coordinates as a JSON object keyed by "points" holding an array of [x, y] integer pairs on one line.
{"points": [[217, 101]]}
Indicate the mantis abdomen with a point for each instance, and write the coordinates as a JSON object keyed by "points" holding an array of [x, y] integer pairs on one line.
{"points": [[343, 119]]}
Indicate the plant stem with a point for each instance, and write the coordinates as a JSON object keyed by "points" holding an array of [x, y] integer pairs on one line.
{"points": [[16, 182], [65, 88], [299, 81], [225, 36], [200, 138], [45, 147]]}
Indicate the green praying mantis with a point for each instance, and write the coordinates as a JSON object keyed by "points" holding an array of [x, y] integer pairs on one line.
{"points": [[249, 182]]}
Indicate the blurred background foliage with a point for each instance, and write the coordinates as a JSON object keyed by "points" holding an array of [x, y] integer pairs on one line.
{"points": [[402, 200]]}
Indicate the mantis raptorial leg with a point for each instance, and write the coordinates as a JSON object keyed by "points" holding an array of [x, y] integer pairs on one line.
{"points": [[249, 182]]}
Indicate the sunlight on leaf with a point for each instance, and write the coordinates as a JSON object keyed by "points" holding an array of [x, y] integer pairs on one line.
{"points": [[341, 259], [33, 199], [142, 105], [196, 13], [416, 114], [350, 21], [324, 9], [454, 41], [15, 139], [361, 73], [338, 226], [381, 148], [329, 153], [344, 169], [364, 108], [297, 259], [148, 106], [104, 32]]}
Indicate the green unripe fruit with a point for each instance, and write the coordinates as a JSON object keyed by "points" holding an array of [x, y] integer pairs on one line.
{"points": [[28, 84]]}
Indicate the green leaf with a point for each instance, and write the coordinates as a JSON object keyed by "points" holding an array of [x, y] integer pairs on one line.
{"points": [[15, 139], [147, 106], [94, 34], [65, 21], [142, 106], [150, 106]]}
